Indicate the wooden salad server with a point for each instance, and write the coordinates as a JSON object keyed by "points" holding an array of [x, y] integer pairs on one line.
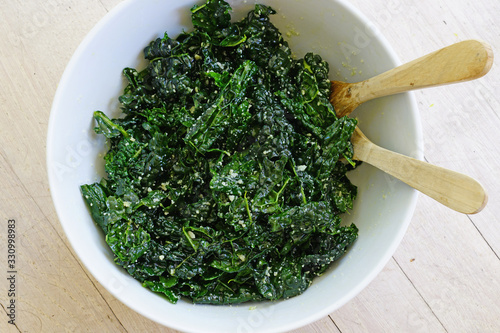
{"points": [[454, 190], [458, 62]]}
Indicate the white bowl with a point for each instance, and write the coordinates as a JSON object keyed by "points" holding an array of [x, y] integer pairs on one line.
{"points": [[93, 81]]}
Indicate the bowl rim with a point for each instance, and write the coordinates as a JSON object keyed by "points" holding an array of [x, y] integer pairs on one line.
{"points": [[389, 251]]}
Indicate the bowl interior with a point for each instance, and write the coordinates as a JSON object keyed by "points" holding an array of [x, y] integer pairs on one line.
{"points": [[93, 81]]}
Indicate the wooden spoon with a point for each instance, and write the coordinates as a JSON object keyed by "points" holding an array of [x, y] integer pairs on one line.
{"points": [[459, 62], [452, 189]]}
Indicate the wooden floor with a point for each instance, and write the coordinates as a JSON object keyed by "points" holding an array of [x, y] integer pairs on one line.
{"points": [[445, 275]]}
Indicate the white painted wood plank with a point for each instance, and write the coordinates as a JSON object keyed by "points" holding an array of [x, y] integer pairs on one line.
{"points": [[389, 304], [325, 325], [454, 271]]}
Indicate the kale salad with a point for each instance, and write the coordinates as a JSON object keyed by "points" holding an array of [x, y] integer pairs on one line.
{"points": [[226, 174]]}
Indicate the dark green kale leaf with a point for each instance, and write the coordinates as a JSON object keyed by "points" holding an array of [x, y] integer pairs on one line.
{"points": [[95, 196], [128, 242], [211, 16], [164, 286], [226, 112], [226, 175]]}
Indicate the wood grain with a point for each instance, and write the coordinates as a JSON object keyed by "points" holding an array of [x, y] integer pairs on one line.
{"points": [[442, 278]]}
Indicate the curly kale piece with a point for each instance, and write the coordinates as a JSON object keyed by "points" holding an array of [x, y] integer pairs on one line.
{"points": [[211, 16], [226, 174]]}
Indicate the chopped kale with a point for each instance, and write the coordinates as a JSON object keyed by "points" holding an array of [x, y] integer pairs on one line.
{"points": [[226, 176]]}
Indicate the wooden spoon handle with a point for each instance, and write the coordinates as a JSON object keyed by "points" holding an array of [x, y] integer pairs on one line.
{"points": [[454, 190], [459, 62]]}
